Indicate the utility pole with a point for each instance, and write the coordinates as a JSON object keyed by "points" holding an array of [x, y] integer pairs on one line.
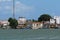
{"points": [[13, 10]]}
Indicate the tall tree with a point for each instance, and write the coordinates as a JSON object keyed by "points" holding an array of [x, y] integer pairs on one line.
{"points": [[44, 17], [13, 23]]}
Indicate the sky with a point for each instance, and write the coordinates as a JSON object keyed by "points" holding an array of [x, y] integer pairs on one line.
{"points": [[31, 9]]}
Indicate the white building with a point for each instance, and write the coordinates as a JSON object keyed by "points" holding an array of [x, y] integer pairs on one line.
{"points": [[52, 21], [57, 19], [37, 25], [5, 24], [21, 20]]}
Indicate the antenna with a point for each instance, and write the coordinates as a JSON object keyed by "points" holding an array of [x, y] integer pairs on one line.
{"points": [[13, 10]]}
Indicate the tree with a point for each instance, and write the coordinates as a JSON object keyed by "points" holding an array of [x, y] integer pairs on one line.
{"points": [[44, 17], [10, 19], [34, 20], [13, 23]]}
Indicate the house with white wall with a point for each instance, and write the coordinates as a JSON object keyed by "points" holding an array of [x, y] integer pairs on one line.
{"points": [[52, 23], [21, 22], [57, 21], [37, 25], [5, 24]]}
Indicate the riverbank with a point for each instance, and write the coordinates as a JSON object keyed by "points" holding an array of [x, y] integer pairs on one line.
{"points": [[27, 34]]}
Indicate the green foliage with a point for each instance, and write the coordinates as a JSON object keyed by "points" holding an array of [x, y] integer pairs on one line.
{"points": [[44, 17], [10, 19], [34, 20], [13, 23]]}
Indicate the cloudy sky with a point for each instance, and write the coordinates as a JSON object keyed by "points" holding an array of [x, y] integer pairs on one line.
{"points": [[31, 9]]}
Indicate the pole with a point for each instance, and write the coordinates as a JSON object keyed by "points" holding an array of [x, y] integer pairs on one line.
{"points": [[13, 10]]}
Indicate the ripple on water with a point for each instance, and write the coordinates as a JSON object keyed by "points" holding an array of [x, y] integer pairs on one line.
{"points": [[55, 37]]}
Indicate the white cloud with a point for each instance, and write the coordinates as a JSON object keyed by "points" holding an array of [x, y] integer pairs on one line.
{"points": [[20, 7], [0, 0], [5, 0], [18, 2], [7, 7], [9, 0]]}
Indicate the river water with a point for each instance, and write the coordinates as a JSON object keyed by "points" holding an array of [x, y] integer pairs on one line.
{"points": [[27, 34]]}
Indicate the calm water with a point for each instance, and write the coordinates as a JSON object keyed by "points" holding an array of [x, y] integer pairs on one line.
{"points": [[26, 34]]}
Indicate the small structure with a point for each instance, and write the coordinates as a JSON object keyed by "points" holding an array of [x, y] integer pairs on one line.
{"points": [[57, 18], [21, 22], [46, 24], [52, 23], [4, 24], [37, 25], [29, 24]]}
